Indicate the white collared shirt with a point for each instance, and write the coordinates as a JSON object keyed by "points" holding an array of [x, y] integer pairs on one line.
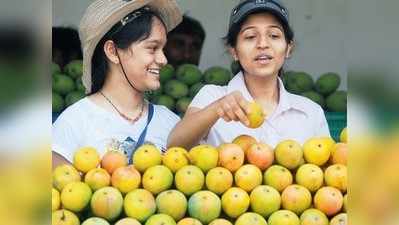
{"points": [[295, 117]]}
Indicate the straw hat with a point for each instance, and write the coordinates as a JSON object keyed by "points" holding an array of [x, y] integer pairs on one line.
{"points": [[102, 15]]}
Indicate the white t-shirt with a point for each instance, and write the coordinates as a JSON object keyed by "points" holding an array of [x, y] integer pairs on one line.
{"points": [[86, 124], [295, 117]]}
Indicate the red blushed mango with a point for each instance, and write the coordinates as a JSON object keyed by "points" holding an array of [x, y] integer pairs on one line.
{"points": [[339, 154], [329, 200], [113, 160], [231, 156], [244, 141], [126, 179], [260, 155]]}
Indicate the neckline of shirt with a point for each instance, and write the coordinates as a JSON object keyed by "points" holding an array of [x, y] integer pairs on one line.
{"points": [[107, 114]]}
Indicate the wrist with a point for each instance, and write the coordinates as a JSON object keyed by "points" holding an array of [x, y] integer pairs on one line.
{"points": [[214, 107]]}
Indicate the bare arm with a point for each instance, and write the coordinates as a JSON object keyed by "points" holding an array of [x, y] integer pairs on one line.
{"points": [[197, 122], [58, 160]]}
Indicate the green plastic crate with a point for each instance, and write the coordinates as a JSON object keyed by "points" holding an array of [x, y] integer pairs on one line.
{"points": [[336, 122]]}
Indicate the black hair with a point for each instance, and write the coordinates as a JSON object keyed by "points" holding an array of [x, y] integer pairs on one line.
{"points": [[123, 36], [189, 26], [230, 39], [66, 41]]}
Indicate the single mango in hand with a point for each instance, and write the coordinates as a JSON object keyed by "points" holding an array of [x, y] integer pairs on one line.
{"points": [[255, 115]]}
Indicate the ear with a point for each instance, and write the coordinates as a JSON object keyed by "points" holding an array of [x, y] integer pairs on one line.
{"points": [[110, 51], [233, 53], [290, 49]]}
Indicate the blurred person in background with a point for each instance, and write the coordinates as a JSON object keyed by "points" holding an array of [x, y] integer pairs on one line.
{"points": [[185, 42], [65, 45]]}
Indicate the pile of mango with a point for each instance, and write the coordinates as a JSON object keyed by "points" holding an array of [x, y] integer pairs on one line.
{"points": [[324, 91], [67, 85], [245, 182]]}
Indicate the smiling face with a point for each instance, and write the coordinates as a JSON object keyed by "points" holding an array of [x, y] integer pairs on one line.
{"points": [[261, 46], [142, 60]]}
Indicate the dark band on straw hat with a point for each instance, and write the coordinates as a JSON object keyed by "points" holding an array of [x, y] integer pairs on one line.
{"points": [[129, 18]]}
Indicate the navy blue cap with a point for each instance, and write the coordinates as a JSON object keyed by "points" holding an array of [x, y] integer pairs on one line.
{"points": [[246, 7]]}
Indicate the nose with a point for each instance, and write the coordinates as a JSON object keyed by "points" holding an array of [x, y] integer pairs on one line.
{"points": [[187, 54], [263, 42], [187, 51], [161, 59]]}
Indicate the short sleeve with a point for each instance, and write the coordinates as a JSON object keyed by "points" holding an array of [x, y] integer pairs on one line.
{"points": [[173, 119], [207, 95], [65, 137], [161, 126]]}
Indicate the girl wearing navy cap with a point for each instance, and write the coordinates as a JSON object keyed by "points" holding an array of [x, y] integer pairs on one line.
{"points": [[260, 39]]}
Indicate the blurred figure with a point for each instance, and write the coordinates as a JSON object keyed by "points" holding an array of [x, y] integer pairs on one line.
{"points": [[185, 42], [66, 45], [18, 72]]}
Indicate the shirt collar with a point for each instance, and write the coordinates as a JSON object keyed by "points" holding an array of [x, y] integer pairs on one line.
{"points": [[238, 84]]}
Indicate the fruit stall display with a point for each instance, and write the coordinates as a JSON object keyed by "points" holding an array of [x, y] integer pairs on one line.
{"points": [[324, 92], [244, 182], [180, 85], [67, 85]]}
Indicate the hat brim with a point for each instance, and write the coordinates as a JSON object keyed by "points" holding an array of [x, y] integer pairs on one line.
{"points": [[168, 11]]}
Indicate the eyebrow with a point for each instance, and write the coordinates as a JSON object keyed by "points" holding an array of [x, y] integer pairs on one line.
{"points": [[153, 42], [271, 26]]}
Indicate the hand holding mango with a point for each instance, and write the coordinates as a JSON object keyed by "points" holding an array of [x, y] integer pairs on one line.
{"points": [[255, 115], [234, 107]]}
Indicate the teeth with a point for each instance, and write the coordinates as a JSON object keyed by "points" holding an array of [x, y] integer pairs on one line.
{"points": [[263, 57], [156, 71]]}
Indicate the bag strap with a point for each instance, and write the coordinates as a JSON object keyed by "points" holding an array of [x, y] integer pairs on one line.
{"points": [[144, 132]]}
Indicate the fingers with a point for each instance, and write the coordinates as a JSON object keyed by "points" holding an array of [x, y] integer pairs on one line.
{"points": [[242, 117], [229, 110], [242, 107], [244, 104], [222, 115], [233, 107]]}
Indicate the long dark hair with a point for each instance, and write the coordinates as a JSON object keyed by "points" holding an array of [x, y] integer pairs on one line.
{"points": [[123, 36]]}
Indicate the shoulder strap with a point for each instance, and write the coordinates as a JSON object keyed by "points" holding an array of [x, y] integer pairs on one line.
{"points": [[144, 132]]}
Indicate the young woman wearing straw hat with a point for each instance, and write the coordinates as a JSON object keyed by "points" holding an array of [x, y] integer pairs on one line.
{"points": [[122, 42], [260, 39]]}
